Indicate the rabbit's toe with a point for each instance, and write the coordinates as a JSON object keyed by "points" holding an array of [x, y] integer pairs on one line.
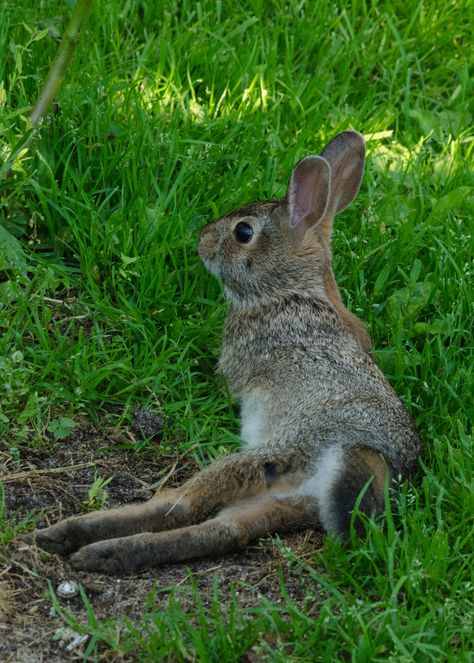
{"points": [[63, 538], [102, 556]]}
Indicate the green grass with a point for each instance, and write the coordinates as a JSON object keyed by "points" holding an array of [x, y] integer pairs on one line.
{"points": [[10, 525], [172, 113]]}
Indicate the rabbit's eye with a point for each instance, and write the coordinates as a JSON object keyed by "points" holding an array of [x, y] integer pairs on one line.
{"points": [[243, 233]]}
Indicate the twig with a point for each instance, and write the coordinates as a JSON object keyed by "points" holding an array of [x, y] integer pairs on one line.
{"points": [[162, 482], [51, 300], [61, 61], [30, 474], [53, 80], [200, 573], [70, 318]]}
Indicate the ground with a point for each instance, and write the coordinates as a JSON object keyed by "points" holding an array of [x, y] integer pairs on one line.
{"points": [[56, 483]]}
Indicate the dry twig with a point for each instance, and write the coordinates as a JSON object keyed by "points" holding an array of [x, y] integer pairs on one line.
{"points": [[31, 474]]}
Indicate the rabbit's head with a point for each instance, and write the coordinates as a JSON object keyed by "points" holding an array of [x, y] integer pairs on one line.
{"points": [[266, 251]]}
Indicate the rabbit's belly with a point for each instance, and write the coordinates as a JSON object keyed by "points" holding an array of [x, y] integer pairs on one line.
{"points": [[254, 420]]}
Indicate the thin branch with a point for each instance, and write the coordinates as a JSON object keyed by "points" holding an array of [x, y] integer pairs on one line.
{"points": [[53, 80], [32, 474], [61, 61]]}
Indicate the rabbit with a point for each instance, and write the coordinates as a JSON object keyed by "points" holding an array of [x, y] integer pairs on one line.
{"points": [[321, 428]]}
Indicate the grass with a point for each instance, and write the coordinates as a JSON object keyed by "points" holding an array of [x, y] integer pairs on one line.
{"points": [[172, 113], [10, 526]]}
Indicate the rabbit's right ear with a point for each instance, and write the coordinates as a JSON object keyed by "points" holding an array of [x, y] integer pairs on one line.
{"points": [[308, 191]]}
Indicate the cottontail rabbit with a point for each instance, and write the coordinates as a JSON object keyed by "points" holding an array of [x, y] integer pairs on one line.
{"points": [[320, 423]]}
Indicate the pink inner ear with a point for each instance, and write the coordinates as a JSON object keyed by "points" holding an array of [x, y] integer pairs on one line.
{"points": [[304, 200], [309, 190]]}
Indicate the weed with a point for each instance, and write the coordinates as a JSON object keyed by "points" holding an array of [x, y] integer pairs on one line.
{"points": [[97, 494]]}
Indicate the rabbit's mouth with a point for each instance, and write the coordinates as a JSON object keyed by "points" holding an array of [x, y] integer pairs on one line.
{"points": [[208, 258], [207, 251], [210, 266]]}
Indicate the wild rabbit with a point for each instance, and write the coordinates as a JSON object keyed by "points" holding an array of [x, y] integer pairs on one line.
{"points": [[320, 423]]}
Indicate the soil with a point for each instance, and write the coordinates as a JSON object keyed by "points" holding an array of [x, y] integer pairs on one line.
{"points": [[55, 484]]}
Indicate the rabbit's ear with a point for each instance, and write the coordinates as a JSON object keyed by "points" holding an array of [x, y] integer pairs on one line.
{"points": [[345, 155], [308, 191]]}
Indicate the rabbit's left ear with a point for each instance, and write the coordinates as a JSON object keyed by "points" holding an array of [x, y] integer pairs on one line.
{"points": [[346, 155], [308, 191]]}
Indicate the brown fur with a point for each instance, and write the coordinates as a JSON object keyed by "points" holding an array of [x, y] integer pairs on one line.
{"points": [[232, 529], [352, 322]]}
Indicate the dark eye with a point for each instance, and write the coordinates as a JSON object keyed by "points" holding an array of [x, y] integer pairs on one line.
{"points": [[243, 233]]}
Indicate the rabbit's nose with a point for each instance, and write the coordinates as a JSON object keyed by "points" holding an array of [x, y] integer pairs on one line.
{"points": [[207, 243], [205, 231], [207, 238]]}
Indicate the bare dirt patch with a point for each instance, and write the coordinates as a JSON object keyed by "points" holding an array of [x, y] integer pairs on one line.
{"points": [[56, 483]]}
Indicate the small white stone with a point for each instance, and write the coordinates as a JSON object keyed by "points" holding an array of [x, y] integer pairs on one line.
{"points": [[68, 589], [77, 641]]}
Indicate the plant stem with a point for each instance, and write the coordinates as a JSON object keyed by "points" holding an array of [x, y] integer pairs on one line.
{"points": [[53, 80], [63, 57]]}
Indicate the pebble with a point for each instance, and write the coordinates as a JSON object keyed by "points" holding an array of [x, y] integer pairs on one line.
{"points": [[148, 424], [68, 589]]}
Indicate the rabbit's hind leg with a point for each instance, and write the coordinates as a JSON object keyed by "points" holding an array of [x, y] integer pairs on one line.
{"points": [[165, 510], [224, 481], [232, 529]]}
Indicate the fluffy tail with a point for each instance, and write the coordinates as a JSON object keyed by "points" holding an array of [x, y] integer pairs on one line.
{"points": [[341, 476]]}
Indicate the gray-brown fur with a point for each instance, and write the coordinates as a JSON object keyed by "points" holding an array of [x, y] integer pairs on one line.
{"points": [[319, 421]]}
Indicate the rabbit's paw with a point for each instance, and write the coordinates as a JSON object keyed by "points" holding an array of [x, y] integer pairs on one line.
{"points": [[62, 538], [103, 556]]}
